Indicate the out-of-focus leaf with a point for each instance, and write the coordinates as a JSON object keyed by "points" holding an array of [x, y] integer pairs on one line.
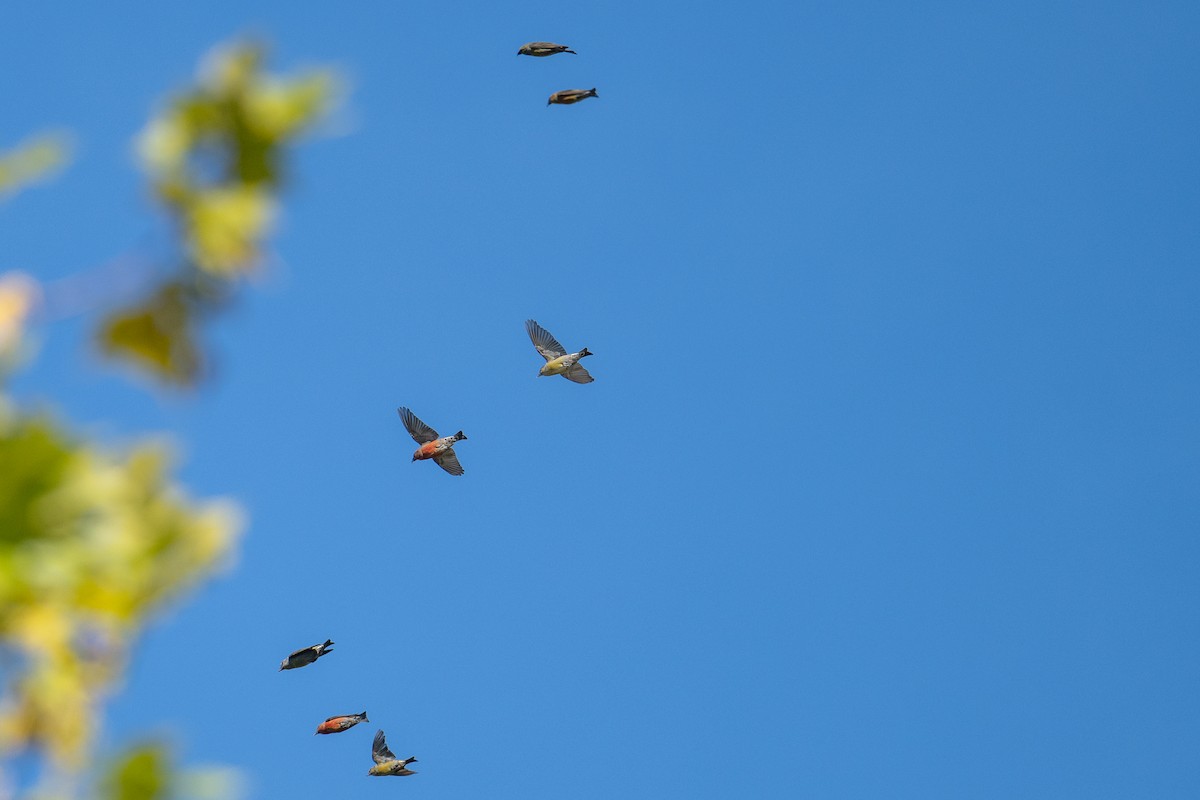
{"points": [[147, 772], [144, 773], [35, 460], [158, 335], [32, 161], [164, 143], [276, 109], [226, 227]]}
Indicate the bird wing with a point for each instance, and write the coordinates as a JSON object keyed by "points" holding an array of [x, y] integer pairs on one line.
{"points": [[578, 374], [421, 432], [379, 749], [546, 344], [449, 462], [302, 651]]}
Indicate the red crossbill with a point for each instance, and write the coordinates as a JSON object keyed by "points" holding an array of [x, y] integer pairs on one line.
{"points": [[441, 450], [343, 722]]}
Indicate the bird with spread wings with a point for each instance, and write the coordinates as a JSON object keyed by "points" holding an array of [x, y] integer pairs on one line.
{"points": [[440, 449], [558, 360]]}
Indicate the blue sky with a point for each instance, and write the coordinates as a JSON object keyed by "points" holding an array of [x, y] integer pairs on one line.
{"points": [[886, 486]]}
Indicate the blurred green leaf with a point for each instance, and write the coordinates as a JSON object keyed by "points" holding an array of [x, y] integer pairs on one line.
{"points": [[226, 226], [32, 161], [141, 774], [158, 335], [35, 461]]}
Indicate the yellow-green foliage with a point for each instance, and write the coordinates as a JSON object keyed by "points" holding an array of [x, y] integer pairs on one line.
{"points": [[145, 772], [31, 161], [214, 154], [91, 546], [159, 333], [94, 543], [141, 774], [215, 158]]}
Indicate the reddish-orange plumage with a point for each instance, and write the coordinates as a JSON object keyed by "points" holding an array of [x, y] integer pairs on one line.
{"points": [[431, 447], [341, 723]]}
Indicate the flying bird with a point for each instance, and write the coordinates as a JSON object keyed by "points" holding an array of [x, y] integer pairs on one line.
{"points": [[342, 722], [542, 49], [306, 656], [558, 360], [440, 450], [568, 96], [386, 762]]}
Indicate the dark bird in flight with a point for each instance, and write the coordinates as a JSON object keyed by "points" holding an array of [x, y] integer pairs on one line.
{"points": [[302, 658], [543, 49]]}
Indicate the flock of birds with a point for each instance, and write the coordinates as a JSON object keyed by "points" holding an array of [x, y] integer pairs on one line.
{"points": [[441, 451], [567, 96]]}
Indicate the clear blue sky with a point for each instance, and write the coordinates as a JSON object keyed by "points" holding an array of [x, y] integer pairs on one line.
{"points": [[887, 484]]}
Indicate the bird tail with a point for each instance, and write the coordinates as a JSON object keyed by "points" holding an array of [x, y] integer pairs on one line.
{"points": [[325, 648], [410, 760], [592, 92], [572, 52], [364, 717], [585, 352], [460, 435]]}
